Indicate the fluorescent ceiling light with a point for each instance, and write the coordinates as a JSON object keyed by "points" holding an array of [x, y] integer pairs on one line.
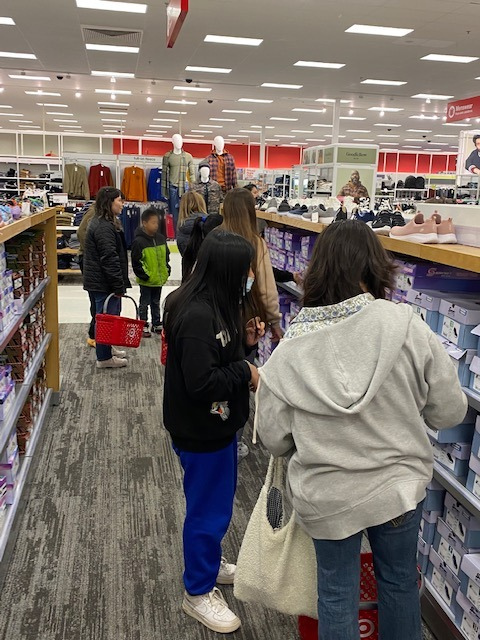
{"points": [[70, 126], [431, 96], [211, 126], [419, 131], [310, 110], [164, 120], [411, 146], [389, 109], [152, 131], [20, 77], [193, 135], [351, 118], [18, 115], [7, 21], [112, 120], [201, 89], [252, 132], [329, 126], [123, 92], [109, 5], [315, 139], [208, 69], [285, 136], [113, 113], [110, 104], [440, 144], [285, 119], [248, 42], [180, 102], [445, 135], [30, 121], [272, 140], [113, 74], [372, 30], [235, 111], [319, 65], [29, 126], [395, 144], [330, 136], [19, 56], [62, 120], [52, 104], [58, 113], [363, 140], [254, 126], [112, 48], [386, 83], [6, 106], [330, 100], [455, 124], [387, 135], [41, 93], [237, 136], [222, 119], [201, 131], [436, 57], [302, 131], [381, 124], [358, 131], [259, 100], [275, 85], [269, 126], [422, 116], [435, 149], [414, 139], [175, 113], [159, 126]]}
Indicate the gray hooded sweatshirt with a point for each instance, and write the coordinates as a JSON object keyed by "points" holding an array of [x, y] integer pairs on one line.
{"points": [[348, 393]]}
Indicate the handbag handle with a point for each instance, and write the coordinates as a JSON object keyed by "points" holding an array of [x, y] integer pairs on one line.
{"points": [[105, 305], [275, 474]]}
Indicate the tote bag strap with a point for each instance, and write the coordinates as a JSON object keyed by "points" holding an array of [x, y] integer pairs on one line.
{"points": [[275, 474]]}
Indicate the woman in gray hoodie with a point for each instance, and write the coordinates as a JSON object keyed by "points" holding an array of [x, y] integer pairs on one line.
{"points": [[347, 395]]}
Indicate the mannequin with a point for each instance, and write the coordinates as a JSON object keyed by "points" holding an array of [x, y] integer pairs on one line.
{"points": [[222, 165], [177, 168], [210, 189]]}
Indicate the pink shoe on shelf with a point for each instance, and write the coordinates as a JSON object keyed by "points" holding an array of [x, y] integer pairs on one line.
{"points": [[417, 230], [445, 229]]}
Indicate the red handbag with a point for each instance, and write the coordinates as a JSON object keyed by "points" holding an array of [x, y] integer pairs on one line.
{"points": [[164, 349]]}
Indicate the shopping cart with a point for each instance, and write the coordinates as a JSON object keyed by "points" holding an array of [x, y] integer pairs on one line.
{"points": [[368, 613], [116, 330]]}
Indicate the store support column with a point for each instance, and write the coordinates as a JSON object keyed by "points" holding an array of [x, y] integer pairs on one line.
{"points": [[262, 149], [336, 122]]}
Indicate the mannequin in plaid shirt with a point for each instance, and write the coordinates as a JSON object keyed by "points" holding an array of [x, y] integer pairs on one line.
{"points": [[222, 166]]}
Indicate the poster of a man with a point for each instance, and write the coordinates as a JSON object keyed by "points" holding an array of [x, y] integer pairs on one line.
{"points": [[354, 187], [472, 163]]}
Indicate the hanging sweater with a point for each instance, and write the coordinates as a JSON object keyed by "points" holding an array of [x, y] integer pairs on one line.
{"points": [[99, 176], [133, 184], [75, 181], [348, 393]]}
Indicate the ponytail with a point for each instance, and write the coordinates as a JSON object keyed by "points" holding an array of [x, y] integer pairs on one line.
{"points": [[201, 228]]}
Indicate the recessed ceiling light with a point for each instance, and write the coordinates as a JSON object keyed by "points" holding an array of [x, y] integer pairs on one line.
{"points": [[235, 111], [372, 30], [78, 94], [411, 146], [351, 118], [123, 92], [319, 65], [419, 130], [174, 113], [180, 102], [328, 126], [436, 57], [310, 110], [455, 124], [386, 109], [422, 116], [284, 136], [58, 113], [113, 74], [30, 121], [315, 139], [109, 5], [222, 119], [382, 124], [387, 135], [386, 83], [164, 120], [19, 56], [113, 48], [51, 104], [149, 98], [15, 115], [208, 69], [363, 140], [20, 77], [248, 42], [445, 135], [41, 93], [117, 104], [112, 120], [259, 100], [431, 96], [285, 119], [200, 89], [211, 126], [302, 131], [358, 131], [274, 85], [113, 113], [7, 21], [201, 131]]}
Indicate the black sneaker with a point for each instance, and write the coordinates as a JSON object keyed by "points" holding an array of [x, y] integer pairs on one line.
{"points": [[283, 207], [397, 220], [340, 215], [383, 221]]}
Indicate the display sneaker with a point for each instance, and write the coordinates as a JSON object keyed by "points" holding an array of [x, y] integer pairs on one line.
{"points": [[364, 216], [272, 206], [307, 215], [397, 219], [146, 333], [340, 215], [417, 230], [91, 342], [350, 205], [212, 611], [242, 450], [118, 353], [296, 211], [283, 208], [112, 363], [445, 229], [226, 573], [382, 223]]}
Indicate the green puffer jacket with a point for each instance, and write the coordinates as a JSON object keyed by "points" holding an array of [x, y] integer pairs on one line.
{"points": [[150, 259]]}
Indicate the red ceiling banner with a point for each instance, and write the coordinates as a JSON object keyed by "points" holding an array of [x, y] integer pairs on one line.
{"points": [[176, 13], [462, 109]]}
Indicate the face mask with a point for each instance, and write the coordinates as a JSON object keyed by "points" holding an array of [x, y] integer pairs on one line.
{"points": [[249, 284]]}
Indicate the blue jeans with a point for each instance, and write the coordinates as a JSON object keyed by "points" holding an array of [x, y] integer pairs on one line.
{"points": [[394, 547], [104, 351], [209, 484], [174, 204]]}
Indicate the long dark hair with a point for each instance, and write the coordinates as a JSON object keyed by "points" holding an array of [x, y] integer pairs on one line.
{"points": [[220, 274], [103, 203], [201, 228], [346, 254]]}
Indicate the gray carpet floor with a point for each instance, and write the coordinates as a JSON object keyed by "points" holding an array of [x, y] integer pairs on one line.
{"points": [[99, 554]]}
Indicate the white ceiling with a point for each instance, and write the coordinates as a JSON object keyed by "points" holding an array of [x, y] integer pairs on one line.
{"points": [[304, 30]]}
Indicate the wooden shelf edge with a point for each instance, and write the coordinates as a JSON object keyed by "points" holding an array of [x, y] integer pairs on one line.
{"points": [[67, 252], [6, 233], [69, 272]]}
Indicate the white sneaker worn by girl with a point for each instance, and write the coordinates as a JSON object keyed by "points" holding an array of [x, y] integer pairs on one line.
{"points": [[118, 353], [113, 363], [226, 574], [212, 611]]}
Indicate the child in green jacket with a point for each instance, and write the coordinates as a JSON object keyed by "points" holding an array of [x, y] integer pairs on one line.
{"points": [[151, 265]]}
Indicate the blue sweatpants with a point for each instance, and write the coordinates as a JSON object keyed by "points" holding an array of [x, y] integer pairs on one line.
{"points": [[209, 484]]}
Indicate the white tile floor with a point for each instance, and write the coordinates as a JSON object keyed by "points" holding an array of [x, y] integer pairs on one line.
{"points": [[74, 305]]}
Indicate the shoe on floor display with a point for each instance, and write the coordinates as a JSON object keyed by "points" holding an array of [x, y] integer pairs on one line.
{"points": [[118, 353], [146, 333], [397, 219], [226, 574], [417, 230], [283, 207], [364, 216], [212, 611], [445, 229], [113, 363], [272, 206], [91, 342], [382, 222], [242, 450]]}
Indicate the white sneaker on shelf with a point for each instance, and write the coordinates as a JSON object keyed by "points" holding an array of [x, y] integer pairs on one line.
{"points": [[242, 450], [118, 353], [226, 574], [113, 363], [212, 611]]}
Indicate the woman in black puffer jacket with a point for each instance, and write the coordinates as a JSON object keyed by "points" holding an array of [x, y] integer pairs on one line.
{"points": [[105, 266]]}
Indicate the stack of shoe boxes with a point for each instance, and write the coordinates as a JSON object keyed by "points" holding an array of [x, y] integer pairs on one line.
{"points": [[31, 410], [432, 510], [10, 467], [289, 250], [7, 309], [26, 257]]}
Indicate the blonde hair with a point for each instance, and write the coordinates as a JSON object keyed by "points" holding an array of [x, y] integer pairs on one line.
{"points": [[191, 202]]}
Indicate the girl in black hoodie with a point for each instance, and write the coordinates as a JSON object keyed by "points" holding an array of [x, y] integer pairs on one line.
{"points": [[206, 401]]}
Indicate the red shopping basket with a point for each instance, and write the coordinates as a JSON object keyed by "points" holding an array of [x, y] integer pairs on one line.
{"points": [[118, 331]]}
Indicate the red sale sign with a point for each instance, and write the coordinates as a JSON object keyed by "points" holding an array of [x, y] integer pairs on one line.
{"points": [[462, 109], [176, 13]]}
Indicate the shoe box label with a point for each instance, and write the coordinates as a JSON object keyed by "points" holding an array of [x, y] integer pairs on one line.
{"points": [[420, 311], [443, 456], [476, 383], [470, 629], [451, 557], [473, 593], [455, 525], [476, 489], [450, 330], [441, 586]]}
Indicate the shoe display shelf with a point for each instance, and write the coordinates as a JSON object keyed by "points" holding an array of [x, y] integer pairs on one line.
{"points": [[48, 351], [434, 611], [32, 163]]}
